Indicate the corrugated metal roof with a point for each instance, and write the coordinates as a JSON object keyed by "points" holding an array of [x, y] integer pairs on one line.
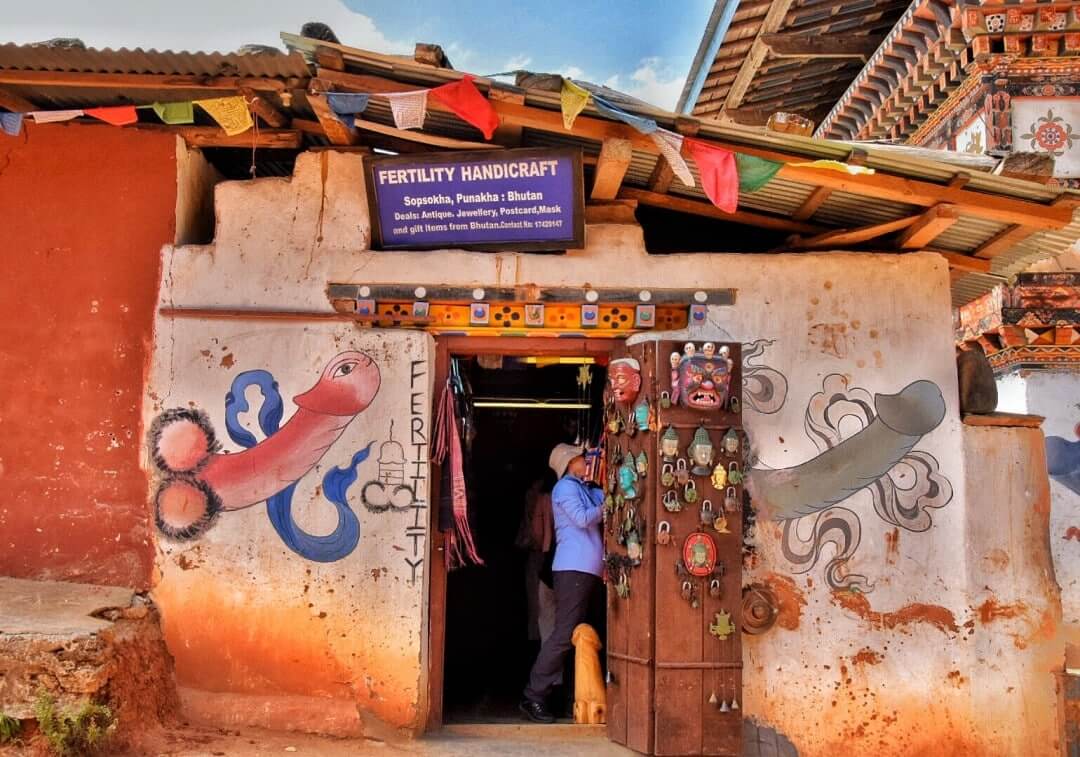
{"points": [[139, 61]]}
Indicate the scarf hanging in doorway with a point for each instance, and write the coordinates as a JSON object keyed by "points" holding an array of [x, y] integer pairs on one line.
{"points": [[461, 549]]}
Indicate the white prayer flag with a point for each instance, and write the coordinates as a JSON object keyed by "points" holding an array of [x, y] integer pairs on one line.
{"points": [[409, 108], [54, 116], [670, 145]]}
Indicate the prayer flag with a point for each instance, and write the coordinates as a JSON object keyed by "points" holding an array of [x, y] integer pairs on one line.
{"points": [[469, 104], [409, 108], [754, 172], [835, 165], [175, 113], [346, 105], [120, 115], [670, 145], [231, 113], [719, 177], [574, 100], [11, 123], [54, 116], [642, 124]]}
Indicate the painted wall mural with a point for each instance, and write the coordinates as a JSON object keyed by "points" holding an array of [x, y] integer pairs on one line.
{"points": [[198, 481], [1048, 124], [866, 444]]}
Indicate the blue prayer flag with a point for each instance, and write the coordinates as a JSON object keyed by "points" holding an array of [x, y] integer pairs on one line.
{"points": [[642, 124], [346, 105], [11, 123]]}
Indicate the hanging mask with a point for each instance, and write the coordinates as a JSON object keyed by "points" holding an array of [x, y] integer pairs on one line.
{"points": [[642, 412], [669, 445], [628, 479], [641, 463], [624, 379], [730, 442], [633, 547], [719, 476], [701, 452]]}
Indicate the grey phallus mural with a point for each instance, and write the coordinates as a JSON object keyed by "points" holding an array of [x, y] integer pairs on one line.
{"points": [[866, 444]]}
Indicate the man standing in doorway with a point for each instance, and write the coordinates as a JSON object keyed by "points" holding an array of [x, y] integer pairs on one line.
{"points": [[577, 570]]}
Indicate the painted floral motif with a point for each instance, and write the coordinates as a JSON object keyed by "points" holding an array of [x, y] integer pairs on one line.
{"points": [[995, 22], [1050, 133]]}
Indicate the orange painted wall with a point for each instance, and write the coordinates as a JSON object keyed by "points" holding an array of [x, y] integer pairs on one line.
{"points": [[85, 211]]}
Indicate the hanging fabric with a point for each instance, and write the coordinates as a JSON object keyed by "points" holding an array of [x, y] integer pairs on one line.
{"points": [[642, 124], [754, 172], [670, 145], [408, 108], [54, 116], [346, 105], [175, 113], [11, 123], [574, 99], [835, 165], [120, 115], [464, 99], [719, 177], [446, 450], [230, 113]]}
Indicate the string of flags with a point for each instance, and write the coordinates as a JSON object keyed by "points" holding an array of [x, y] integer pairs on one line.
{"points": [[230, 113], [723, 173]]}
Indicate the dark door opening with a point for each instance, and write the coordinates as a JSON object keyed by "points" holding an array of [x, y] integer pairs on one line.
{"points": [[497, 612]]}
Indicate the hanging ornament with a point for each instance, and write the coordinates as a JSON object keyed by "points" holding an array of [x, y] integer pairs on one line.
{"points": [[701, 452], [663, 533], [699, 554], [734, 475], [730, 442], [671, 501], [720, 523], [667, 475], [669, 444], [690, 492], [722, 627], [682, 471], [628, 479], [731, 500], [642, 414], [641, 464], [719, 476]]}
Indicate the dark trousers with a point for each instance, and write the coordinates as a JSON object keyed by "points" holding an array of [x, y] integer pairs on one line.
{"points": [[574, 591]]}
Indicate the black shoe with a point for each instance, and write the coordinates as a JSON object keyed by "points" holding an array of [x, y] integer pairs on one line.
{"points": [[535, 712]]}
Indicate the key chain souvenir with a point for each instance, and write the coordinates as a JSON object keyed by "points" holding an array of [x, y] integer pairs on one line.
{"points": [[667, 475], [671, 501], [690, 492]]}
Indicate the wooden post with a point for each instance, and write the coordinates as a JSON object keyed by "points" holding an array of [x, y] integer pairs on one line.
{"points": [[615, 156]]}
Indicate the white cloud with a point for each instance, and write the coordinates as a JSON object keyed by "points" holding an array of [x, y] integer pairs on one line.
{"points": [[572, 72], [517, 63], [654, 83], [193, 25]]}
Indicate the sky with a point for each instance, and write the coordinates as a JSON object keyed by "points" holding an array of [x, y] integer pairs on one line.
{"points": [[641, 47]]}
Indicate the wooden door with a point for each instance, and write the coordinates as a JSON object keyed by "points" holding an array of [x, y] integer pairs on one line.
{"points": [[676, 685]]}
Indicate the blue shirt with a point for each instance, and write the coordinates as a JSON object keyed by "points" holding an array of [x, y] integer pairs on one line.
{"points": [[578, 511]]}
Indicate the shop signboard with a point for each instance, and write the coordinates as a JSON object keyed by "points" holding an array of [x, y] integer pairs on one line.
{"points": [[489, 200]]}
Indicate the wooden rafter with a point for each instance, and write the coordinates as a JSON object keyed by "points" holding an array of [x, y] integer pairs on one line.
{"points": [[213, 136], [15, 103], [264, 109], [336, 131], [142, 81], [928, 226], [1002, 241], [963, 263], [841, 238], [812, 203], [615, 157], [774, 19], [820, 46], [694, 207]]}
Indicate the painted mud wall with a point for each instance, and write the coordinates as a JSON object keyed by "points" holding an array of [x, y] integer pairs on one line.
{"points": [[86, 210], [885, 628]]}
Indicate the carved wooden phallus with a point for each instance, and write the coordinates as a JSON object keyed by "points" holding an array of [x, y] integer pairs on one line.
{"points": [[590, 696]]}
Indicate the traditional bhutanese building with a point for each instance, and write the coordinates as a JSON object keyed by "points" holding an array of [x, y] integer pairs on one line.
{"points": [[270, 379]]}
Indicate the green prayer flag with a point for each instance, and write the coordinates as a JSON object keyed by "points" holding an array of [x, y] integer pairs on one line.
{"points": [[754, 173], [175, 113]]}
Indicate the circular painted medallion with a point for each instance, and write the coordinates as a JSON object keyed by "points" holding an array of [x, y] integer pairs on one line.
{"points": [[699, 554]]}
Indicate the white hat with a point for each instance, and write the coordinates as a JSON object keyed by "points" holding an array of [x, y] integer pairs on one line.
{"points": [[626, 361], [561, 456]]}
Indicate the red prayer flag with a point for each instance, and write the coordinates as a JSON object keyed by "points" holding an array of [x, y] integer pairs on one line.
{"points": [[465, 100], [719, 175], [121, 115]]}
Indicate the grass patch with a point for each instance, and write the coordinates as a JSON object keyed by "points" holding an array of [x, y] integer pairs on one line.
{"points": [[9, 728], [84, 730]]}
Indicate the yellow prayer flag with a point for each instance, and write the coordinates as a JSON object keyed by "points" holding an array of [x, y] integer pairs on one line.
{"points": [[231, 113], [834, 165], [574, 100]]}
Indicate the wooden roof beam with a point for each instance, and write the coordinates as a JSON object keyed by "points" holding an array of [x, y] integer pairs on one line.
{"points": [[1003, 241], [615, 157], [772, 22], [336, 131], [959, 263], [14, 103], [928, 227], [144, 81], [849, 237], [811, 204], [708, 210], [820, 46], [213, 136], [264, 109]]}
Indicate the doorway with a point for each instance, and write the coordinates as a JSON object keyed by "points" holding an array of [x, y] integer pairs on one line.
{"points": [[519, 401]]}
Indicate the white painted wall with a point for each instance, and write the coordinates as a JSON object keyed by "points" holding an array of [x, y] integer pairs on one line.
{"points": [[845, 671]]}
